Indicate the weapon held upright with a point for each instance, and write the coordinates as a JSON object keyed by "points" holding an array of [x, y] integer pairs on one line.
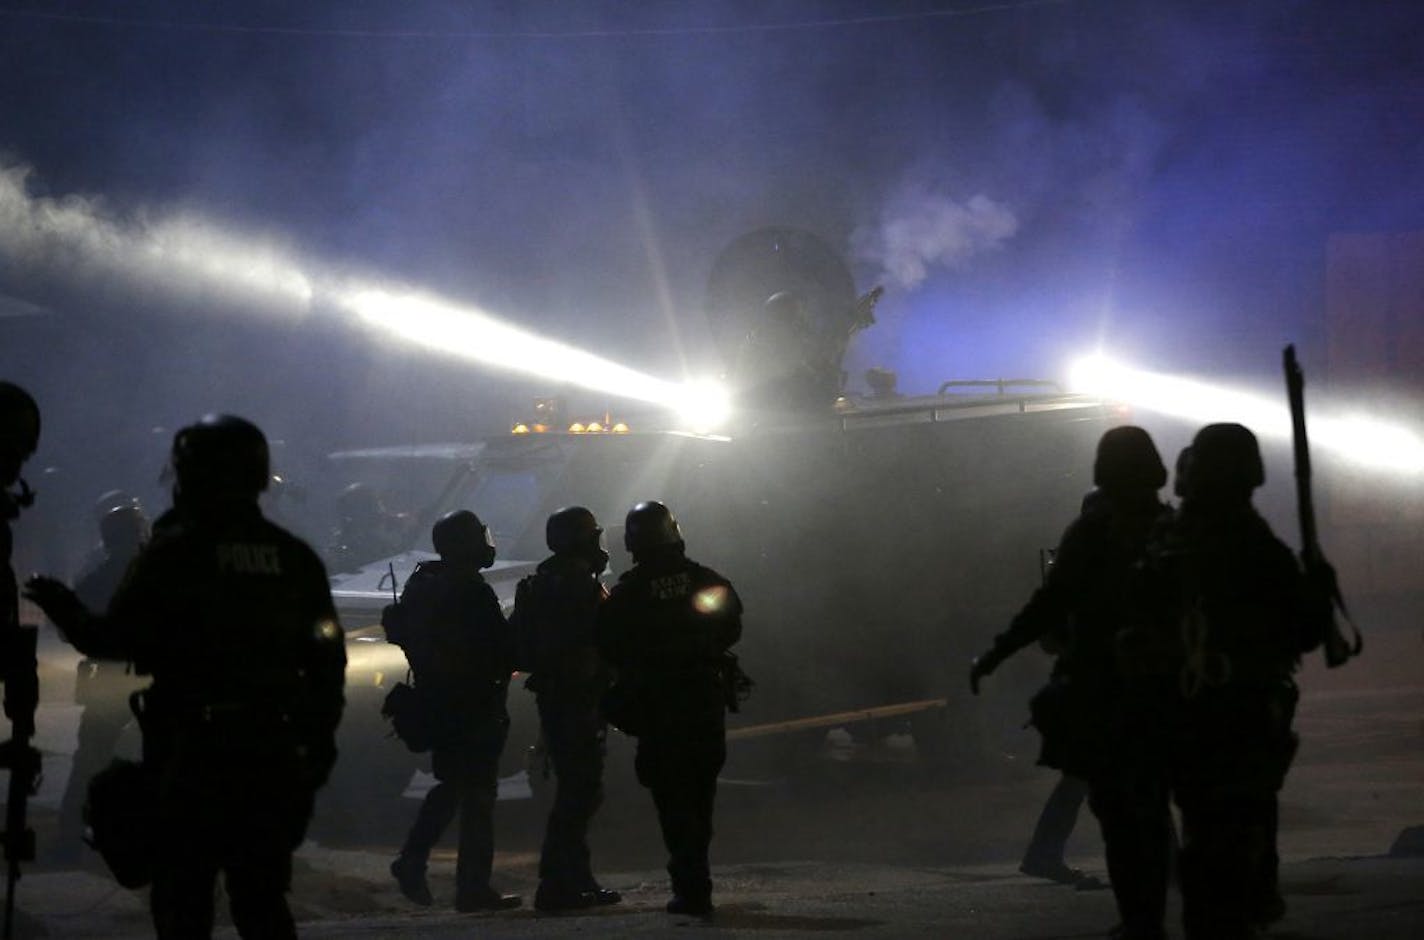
{"points": [[1320, 576]]}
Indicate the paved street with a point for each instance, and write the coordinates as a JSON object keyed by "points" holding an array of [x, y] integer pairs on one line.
{"points": [[865, 842]]}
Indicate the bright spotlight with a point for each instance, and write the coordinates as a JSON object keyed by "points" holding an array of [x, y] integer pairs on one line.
{"points": [[703, 406], [1362, 440]]}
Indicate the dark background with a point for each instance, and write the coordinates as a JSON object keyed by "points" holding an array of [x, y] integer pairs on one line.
{"points": [[1160, 177]]}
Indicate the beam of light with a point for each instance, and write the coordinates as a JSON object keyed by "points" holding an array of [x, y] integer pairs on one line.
{"points": [[1359, 439], [182, 256], [188, 258], [471, 334]]}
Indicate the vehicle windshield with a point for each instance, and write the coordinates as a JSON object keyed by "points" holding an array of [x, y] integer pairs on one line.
{"points": [[507, 499], [512, 485], [515, 492]]}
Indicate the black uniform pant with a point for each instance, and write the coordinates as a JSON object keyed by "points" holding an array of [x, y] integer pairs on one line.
{"points": [[468, 775], [246, 831], [101, 724], [1229, 860], [574, 736], [681, 771], [1056, 821], [1237, 748], [1133, 813]]}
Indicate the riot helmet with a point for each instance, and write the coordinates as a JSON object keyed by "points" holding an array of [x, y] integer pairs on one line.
{"points": [[574, 530], [1225, 462], [109, 500], [461, 536], [221, 457], [650, 527], [19, 430], [123, 529], [1127, 459]]}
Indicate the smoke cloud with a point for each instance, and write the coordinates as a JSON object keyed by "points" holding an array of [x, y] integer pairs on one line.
{"points": [[183, 256], [922, 229]]}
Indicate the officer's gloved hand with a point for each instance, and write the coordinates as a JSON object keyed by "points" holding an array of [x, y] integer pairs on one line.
{"points": [[982, 666], [58, 602]]}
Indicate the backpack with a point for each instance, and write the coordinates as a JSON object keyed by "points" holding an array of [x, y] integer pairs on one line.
{"points": [[411, 716], [120, 813]]}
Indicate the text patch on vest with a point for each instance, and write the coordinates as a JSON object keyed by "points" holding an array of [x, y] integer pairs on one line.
{"points": [[249, 558], [671, 587]]}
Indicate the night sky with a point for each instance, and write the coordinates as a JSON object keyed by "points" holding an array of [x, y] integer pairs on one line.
{"points": [[1157, 176]]}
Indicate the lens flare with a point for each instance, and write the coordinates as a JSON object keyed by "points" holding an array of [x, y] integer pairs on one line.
{"points": [[1363, 440]]}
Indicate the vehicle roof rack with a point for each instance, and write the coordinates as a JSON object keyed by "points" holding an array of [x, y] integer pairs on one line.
{"points": [[1002, 385]]}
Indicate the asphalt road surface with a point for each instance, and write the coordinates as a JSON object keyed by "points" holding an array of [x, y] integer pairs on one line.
{"points": [[863, 839]]}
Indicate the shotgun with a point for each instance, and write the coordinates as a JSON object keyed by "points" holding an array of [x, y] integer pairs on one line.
{"points": [[1319, 575]]}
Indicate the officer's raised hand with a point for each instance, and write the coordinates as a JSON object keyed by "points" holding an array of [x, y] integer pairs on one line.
{"points": [[58, 602]]}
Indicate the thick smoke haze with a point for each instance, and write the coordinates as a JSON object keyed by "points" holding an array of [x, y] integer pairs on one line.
{"points": [[45, 240], [229, 207], [1030, 181]]}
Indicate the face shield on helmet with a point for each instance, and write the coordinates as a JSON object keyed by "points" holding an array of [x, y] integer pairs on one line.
{"points": [[575, 531], [461, 536]]}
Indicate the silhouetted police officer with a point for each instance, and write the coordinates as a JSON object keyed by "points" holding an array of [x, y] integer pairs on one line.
{"points": [[1232, 605], [1083, 715], [102, 689], [1044, 856], [461, 651], [19, 436], [665, 628], [19, 667], [554, 613], [233, 618]]}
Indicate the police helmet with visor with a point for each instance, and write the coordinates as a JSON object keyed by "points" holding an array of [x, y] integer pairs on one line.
{"points": [[221, 456], [461, 536], [650, 527]]}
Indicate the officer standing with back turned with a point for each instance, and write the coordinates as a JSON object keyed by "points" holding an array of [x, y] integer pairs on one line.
{"points": [[233, 618], [1237, 610], [19, 436], [554, 613], [666, 628], [1089, 727]]}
